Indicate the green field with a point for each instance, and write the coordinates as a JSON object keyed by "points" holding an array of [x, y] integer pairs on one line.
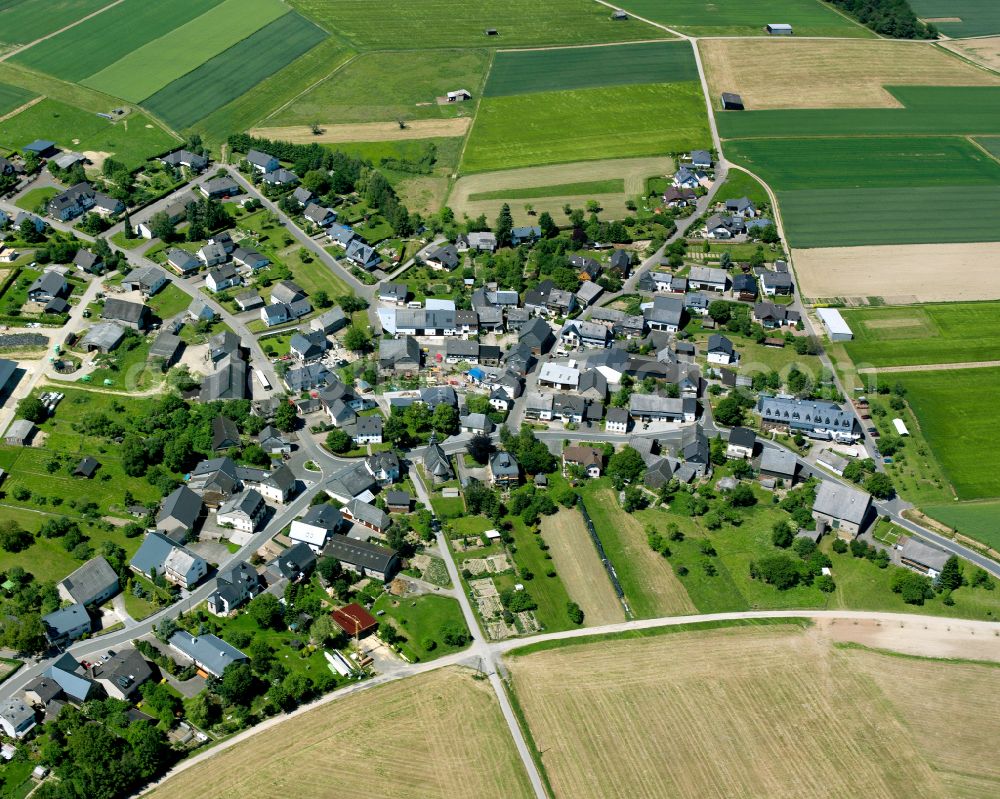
{"points": [[929, 111], [23, 21], [237, 70], [854, 217], [924, 334], [12, 97], [178, 51], [876, 162], [958, 423], [557, 127], [131, 140], [561, 190], [525, 71], [740, 184], [422, 620], [97, 43], [747, 18], [389, 86], [975, 519], [394, 24], [979, 17], [990, 143]]}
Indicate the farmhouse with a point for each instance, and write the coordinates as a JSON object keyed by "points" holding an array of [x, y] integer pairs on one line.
{"points": [[923, 558], [367, 559], [179, 514], [243, 512], [587, 458], [504, 470], [130, 314], [653, 408], [842, 508], [836, 327], [158, 555], [818, 419]]}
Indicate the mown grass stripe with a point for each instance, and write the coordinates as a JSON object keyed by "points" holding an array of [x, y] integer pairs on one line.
{"points": [[560, 190], [235, 71], [12, 97]]}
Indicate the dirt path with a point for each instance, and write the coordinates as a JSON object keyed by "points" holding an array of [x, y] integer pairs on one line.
{"points": [[368, 131], [930, 367], [17, 50], [19, 109]]}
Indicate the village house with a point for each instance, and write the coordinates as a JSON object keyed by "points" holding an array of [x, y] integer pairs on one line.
{"points": [[208, 652], [316, 526], [720, 350], [842, 508], [179, 514], [589, 459], [741, 443], [244, 512], [158, 555], [504, 470], [364, 558], [367, 515], [706, 277], [94, 583], [818, 419]]}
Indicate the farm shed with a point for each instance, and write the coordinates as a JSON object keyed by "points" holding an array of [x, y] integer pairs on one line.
{"points": [[731, 102], [835, 325], [779, 29], [900, 427]]}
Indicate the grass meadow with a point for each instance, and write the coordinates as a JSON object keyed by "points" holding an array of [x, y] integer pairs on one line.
{"points": [[421, 620], [23, 21], [560, 127], [924, 334], [131, 140], [975, 519], [975, 17], [740, 184], [526, 71], [389, 86], [177, 51], [923, 215], [397, 24], [748, 18], [229, 74], [12, 97], [956, 417], [608, 186], [99, 42]]}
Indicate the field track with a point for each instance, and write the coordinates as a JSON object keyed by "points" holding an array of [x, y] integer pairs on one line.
{"points": [[580, 568], [932, 367], [982, 51], [913, 271], [368, 131]]}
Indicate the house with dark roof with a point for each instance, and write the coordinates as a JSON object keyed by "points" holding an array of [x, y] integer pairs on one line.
{"points": [[444, 258], [745, 287], [818, 419], [294, 564], [131, 314], [229, 381], [234, 585], [779, 463], [316, 526], [245, 511], [68, 674], [182, 261], [589, 459], [86, 468], [103, 337], [262, 162], [537, 336], [741, 443], [400, 355], [367, 559], [93, 583], [842, 508], [222, 277], [504, 470], [329, 321], [225, 434], [362, 254], [775, 283], [437, 464], [66, 624], [525, 234], [217, 188], [122, 675], [770, 316], [368, 430], [308, 346], [286, 291], [185, 158], [88, 262], [398, 502], [48, 286], [720, 350], [280, 177], [179, 514]]}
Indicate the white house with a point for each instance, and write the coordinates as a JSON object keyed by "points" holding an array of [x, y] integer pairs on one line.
{"points": [[244, 512], [720, 350], [316, 526]]}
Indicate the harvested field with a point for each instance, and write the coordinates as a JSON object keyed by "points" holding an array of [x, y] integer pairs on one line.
{"points": [[889, 271], [439, 734], [829, 74], [651, 587], [368, 131], [580, 568], [921, 637], [965, 759], [633, 171], [741, 712], [982, 51]]}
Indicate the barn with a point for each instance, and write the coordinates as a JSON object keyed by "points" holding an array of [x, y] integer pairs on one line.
{"points": [[731, 102], [779, 29]]}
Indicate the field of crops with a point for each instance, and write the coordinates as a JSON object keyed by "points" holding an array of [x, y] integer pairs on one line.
{"points": [[958, 423], [924, 334], [923, 215], [974, 519], [131, 140], [525, 71], [438, 734], [872, 162], [611, 122], [401, 84], [609, 186], [237, 70], [399, 24], [746, 18], [23, 21], [744, 712], [929, 111], [973, 17], [12, 97], [97, 43], [177, 51]]}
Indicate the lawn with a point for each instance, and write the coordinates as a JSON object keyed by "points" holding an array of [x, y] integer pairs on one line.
{"points": [[559, 127], [169, 301], [873, 162], [890, 216], [235, 71], [923, 334], [131, 140], [391, 24], [422, 620], [608, 186], [565, 69], [101, 41], [32, 199], [12, 97], [991, 143], [178, 51], [401, 84], [975, 519], [929, 111], [23, 21], [739, 184], [122, 240], [956, 421], [748, 18], [975, 17]]}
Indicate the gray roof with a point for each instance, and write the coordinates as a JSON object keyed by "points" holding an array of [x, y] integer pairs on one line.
{"points": [[717, 343], [842, 502], [360, 553], [805, 414], [247, 502], [64, 672], [397, 498], [742, 437], [127, 669], [778, 461], [437, 463], [51, 283], [229, 381], [921, 553], [183, 505], [369, 425], [368, 513], [324, 515], [16, 713], [165, 346], [286, 291], [257, 158], [63, 621], [124, 311], [93, 579], [20, 428], [152, 553], [211, 652], [103, 335], [504, 464], [400, 350]]}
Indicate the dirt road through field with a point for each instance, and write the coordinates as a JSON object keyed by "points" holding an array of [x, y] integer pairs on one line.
{"points": [[368, 131]]}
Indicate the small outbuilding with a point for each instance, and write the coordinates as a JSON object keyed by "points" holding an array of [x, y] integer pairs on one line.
{"points": [[731, 102], [778, 29]]}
